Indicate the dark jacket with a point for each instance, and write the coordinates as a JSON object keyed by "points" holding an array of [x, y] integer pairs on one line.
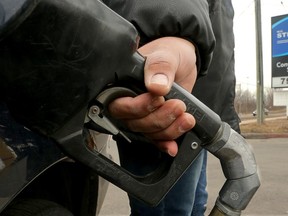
{"points": [[154, 19], [217, 89]]}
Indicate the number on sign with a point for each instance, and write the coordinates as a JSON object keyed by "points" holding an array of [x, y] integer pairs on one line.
{"points": [[284, 80]]}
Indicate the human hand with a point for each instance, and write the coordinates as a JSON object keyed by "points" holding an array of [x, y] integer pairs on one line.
{"points": [[168, 59]]}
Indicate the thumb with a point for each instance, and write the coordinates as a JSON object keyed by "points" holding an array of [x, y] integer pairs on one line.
{"points": [[160, 69]]}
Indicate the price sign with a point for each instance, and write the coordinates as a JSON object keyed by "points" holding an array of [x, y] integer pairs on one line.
{"points": [[280, 82]]}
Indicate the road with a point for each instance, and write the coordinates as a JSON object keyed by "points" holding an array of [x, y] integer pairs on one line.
{"points": [[270, 200]]}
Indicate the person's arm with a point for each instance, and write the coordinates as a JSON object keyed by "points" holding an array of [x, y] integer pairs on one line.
{"points": [[178, 41]]}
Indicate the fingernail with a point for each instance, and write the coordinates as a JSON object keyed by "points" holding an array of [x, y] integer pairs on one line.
{"points": [[171, 153], [181, 129], [160, 79], [184, 127]]}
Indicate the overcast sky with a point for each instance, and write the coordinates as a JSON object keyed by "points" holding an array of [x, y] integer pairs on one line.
{"points": [[245, 48]]}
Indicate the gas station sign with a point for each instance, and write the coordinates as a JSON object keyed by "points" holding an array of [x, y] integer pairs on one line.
{"points": [[279, 51]]}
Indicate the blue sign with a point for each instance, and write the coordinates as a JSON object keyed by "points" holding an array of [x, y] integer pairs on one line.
{"points": [[280, 51], [280, 38]]}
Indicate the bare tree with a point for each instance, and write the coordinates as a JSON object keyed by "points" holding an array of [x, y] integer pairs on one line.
{"points": [[268, 97], [245, 101]]}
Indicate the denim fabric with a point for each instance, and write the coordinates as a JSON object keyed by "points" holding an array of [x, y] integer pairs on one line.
{"points": [[179, 201], [200, 202]]}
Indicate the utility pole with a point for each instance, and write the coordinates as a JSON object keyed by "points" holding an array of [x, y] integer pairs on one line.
{"points": [[259, 63]]}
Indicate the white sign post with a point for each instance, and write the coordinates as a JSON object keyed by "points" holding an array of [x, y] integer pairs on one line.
{"points": [[280, 98]]}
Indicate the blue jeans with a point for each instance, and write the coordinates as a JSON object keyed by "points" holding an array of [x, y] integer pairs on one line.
{"points": [[189, 191], [201, 195], [186, 198]]}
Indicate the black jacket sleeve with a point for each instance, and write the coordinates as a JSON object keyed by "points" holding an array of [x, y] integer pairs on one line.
{"points": [[188, 19]]}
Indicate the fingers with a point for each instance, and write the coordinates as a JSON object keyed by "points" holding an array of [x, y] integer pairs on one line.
{"points": [[170, 119], [165, 139], [170, 147], [178, 127], [160, 68], [161, 121], [135, 108], [169, 59]]}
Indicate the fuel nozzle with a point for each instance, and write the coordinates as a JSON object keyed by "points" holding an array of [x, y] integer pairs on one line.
{"points": [[240, 169], [220, 210]]}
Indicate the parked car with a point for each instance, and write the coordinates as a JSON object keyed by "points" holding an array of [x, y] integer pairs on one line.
{"points": [[37, 178], [266, 111], [36, 175]]}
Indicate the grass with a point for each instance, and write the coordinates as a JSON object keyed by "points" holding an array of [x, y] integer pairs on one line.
{"points": [[268, 126]]}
